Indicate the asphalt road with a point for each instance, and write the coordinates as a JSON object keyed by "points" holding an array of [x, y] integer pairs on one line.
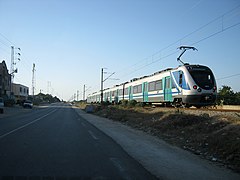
{"points": [[55, 142]]}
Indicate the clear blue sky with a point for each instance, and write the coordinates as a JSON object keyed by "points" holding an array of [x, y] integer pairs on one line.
{"points": [[71, 40]]}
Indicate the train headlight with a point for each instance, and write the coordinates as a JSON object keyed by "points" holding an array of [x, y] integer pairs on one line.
{"points": [[195, 87], [214, 88]]}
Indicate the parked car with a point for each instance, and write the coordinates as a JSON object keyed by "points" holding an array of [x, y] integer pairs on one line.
{"points": [[28, 104]]}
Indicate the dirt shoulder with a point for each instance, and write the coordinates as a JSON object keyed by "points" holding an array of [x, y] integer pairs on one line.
{"points": [[212, 135]]}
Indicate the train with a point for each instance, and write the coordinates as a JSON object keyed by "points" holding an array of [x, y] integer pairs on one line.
{"points": [[184, 86]]}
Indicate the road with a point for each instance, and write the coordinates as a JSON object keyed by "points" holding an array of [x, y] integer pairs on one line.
{"points": [[54, 141]]}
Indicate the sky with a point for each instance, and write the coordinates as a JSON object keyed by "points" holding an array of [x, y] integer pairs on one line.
{"points": [[70, 41]]}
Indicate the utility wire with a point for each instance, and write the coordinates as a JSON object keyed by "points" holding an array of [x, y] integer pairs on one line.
{"points": [[184, 37], [228, 76], [6, 39], [216, 33]]}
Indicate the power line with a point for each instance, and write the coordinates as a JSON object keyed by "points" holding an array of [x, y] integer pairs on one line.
{"points": [[216, 33], [7, 39], [226, 77], [184, 37]]}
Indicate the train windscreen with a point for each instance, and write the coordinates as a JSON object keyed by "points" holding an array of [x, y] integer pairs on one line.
{"points": [[202, 76]]}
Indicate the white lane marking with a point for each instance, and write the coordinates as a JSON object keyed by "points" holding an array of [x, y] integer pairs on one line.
{"points": [[93, 135], [25, 125]]}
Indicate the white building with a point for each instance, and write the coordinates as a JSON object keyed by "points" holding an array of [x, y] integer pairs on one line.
{"points": [[20, 91]]}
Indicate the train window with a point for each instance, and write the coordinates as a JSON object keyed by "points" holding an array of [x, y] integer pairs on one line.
{"points": [[158, 85], [126, 91], [120, 92], [151, 86], [135, 89], [139, 87]]}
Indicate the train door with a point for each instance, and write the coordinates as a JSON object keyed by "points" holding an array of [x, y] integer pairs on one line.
{"points": [[167, 89], [145, 91], [130, 93]]}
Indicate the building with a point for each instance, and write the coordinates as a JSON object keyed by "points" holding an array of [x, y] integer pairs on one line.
{"points": [[5, 81], [20, 92]]}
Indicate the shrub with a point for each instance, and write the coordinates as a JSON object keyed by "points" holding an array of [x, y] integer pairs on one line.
{"points": [[132, 103], [123, 102], [140, 104]]}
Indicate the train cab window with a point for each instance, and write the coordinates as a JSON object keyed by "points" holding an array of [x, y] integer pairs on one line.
{"points": [[180, 79], [202, 76]]}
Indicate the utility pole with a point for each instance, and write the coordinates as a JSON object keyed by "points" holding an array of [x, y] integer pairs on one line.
{"points": [[12, 64], [84, 86], [13, 70], [102, 86], [33, 79], [103, 80]]}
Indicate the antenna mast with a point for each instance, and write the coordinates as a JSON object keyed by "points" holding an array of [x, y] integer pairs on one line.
{"points": [[184, 48]]}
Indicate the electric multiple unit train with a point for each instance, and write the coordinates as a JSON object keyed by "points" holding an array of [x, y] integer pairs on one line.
{"points": [[187, 85]]}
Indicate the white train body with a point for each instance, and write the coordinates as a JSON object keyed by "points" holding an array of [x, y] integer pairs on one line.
{"points": [[187, 85]]}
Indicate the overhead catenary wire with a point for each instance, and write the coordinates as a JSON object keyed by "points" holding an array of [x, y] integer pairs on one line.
{"points": [[222, 29], [230, 76], [189, 34]]}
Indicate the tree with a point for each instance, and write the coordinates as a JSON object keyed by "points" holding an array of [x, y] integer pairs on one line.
{"points": [[227, 96], [46, 98]]}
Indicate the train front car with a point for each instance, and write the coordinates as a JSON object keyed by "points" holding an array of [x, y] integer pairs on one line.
{"points": [[197, 86]]}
